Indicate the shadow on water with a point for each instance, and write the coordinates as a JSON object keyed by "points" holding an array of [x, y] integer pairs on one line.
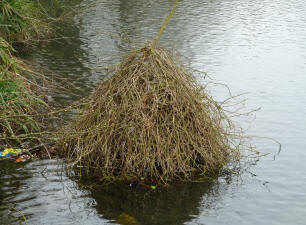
{"points": [[175, 204], [45, 195], [11, 179], [63, 60]]}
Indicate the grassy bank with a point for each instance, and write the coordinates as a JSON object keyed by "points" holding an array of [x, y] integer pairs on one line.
{"points": [[19, 97], [22, 22]]}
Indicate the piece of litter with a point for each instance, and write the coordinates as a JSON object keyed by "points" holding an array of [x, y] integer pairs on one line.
{"points": [[23, 158], [9, 152]]}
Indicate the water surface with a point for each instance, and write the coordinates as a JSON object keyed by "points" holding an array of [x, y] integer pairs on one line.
{"points": [[255, 47]]}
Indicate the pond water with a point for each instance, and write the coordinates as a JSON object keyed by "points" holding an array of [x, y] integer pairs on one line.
{"points": [[255, 47]]}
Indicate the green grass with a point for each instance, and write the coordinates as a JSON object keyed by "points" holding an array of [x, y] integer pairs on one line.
{"points": [[22, 23], [26, 21], [18, 98], [19, 21]]}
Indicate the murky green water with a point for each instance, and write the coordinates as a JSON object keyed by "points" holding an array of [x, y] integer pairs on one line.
{"points": [[256, 47]]}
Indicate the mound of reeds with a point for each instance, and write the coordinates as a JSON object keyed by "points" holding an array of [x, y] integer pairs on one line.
{"points": [[150, 120]]}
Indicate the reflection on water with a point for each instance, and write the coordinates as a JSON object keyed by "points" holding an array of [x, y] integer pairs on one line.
{"points": [[173, 205], [46, 196], [253, 46], [43, 194]]}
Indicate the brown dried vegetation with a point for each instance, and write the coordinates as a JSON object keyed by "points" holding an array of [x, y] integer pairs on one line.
{"points": [[150, 120]]}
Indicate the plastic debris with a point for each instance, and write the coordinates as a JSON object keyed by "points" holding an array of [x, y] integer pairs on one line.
{"points": [[9, 152], [23, 158]]}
